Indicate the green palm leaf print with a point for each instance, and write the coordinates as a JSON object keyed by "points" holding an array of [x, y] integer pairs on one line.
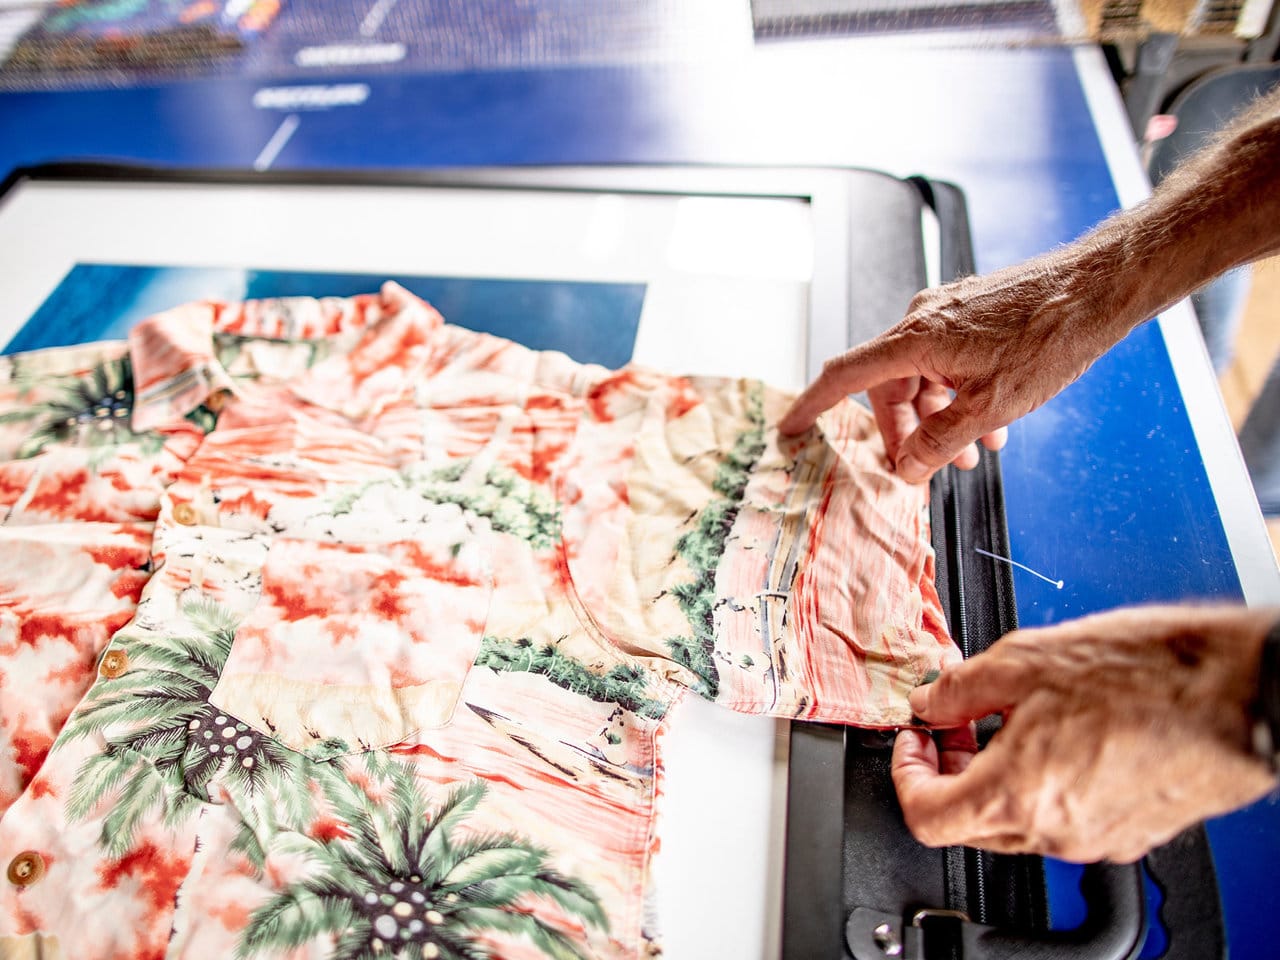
{"points": [[703, 547], [510, 503], [623, 684], [164, 741], [406, 880], [91, 409]]}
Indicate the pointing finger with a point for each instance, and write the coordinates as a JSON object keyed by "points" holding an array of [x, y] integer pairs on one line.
{"points": [[859, 369], [931, 398]]}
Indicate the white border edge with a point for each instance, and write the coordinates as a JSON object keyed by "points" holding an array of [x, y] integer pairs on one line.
{"points": [[1224, 465]]}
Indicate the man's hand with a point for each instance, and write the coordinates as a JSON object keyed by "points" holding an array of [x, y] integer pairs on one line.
{"points": [[1120, 731], [1005, 343], [1008, 341]]}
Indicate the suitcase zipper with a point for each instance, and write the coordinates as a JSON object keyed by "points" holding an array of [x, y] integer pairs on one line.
{"points": [[973, 896]]}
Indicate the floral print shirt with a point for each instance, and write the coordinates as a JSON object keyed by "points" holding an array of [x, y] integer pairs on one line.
{"points": [[328, 629]]}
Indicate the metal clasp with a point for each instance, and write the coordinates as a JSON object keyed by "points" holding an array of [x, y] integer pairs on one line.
{"points": [[937, 913], [940, 931]]}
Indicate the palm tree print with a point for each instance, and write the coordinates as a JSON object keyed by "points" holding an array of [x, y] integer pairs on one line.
{"points": [[174, 742], [508, 501], [88, 410], [703, 547], [401, 880], [92, 410]]}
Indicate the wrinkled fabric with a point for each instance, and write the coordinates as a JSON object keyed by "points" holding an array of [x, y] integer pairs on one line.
{"points": [[328, 629]]}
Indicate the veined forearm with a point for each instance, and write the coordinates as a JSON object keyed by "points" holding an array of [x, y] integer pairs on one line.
{"points": [[1219, 209]]}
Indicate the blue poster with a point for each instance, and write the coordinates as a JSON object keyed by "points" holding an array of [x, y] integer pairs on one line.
{"points": [[591, 322]]}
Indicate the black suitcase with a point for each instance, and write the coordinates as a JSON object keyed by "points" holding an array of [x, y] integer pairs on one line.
{"points": [[857, 884]]}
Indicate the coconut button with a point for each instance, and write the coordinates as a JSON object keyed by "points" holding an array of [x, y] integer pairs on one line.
{"points": [[185, 514], [26, 868], [114, 663]]}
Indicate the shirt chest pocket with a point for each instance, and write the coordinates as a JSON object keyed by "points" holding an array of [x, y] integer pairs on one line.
{"points": [[354, 647]]}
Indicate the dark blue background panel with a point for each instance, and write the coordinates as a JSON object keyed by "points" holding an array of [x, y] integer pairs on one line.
{"points": [[1010, 126], [1091, 500]]}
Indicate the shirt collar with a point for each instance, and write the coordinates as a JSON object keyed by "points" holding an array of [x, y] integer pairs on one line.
{"points": [[176, 367]]}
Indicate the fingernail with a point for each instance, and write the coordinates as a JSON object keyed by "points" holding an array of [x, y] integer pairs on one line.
{"points": [[910, 469]]}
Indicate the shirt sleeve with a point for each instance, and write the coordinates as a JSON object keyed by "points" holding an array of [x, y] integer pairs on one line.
{"points": [[785, 576]]}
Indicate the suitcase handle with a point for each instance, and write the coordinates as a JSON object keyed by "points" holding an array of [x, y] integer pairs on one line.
{"points": [[1114, 928]]}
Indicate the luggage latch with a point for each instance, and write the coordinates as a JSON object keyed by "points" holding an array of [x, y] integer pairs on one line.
{"points": [[930, 932]]}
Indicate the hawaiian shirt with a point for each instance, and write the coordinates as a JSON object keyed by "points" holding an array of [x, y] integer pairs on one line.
{"points": [[328, 629]]}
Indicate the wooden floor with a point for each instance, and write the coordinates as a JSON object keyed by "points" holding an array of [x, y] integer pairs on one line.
{"points": [[1256, 351]]}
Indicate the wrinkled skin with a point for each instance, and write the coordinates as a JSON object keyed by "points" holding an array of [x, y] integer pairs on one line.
{"points": [[1005, 343], [1121, 730]]}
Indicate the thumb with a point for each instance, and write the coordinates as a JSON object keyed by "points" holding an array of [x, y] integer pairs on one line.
{"points": [[987, 683], [938, 440]]}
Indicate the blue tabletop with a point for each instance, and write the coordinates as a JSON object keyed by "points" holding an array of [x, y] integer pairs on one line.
{"points": [[1105, 486]]}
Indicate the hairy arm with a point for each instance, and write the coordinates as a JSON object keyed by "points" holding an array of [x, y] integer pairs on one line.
{"points": [[1008, 341], [1216, 211]]}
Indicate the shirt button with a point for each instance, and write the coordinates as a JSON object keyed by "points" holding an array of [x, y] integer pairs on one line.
{"points": [[185, 514], [114, 663], [26, 868]]}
